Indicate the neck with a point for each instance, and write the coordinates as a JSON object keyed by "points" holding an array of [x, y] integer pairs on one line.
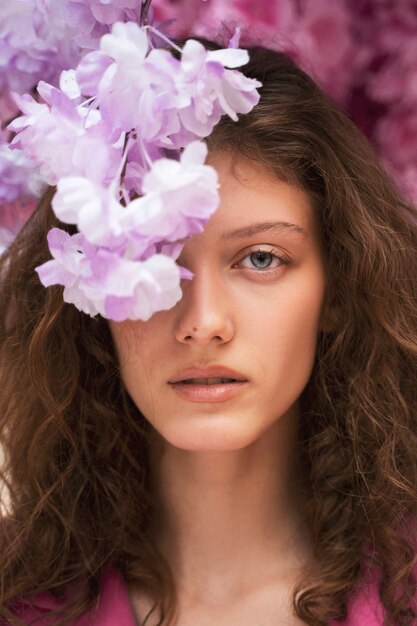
{"points": [[232, 518]]}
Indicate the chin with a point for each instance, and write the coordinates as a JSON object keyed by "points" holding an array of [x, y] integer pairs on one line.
{"points": [[208, 436]]}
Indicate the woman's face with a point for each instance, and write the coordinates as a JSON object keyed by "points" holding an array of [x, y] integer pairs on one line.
{"points": [[253, 307]]}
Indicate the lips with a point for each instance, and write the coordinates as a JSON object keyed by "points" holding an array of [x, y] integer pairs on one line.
{"points": [[213, 385], [214, 375], [208, 381]]}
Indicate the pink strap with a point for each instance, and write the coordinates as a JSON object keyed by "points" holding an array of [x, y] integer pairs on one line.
{"points": [[114, 607]]}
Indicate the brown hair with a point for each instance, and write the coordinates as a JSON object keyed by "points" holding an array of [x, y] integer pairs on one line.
{"points": [[76, 464]]}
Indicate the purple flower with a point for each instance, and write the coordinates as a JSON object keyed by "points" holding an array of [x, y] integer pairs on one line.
{"points": [[98, 281], [138, 289], [69, 259], [168, 102], [213, 89], [179, 197], [43, 128], [133, 89], [115, 75], [79, 133]]}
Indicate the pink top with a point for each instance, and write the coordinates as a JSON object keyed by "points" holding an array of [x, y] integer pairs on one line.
{"points": [[115, 609]]}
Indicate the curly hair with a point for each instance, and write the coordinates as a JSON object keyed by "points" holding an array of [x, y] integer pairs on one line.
{"points": [[76, 467]]}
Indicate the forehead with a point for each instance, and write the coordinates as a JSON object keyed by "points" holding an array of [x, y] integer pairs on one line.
{"points": [[250, 193]]}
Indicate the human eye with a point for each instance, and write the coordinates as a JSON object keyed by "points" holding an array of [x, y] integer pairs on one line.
{"points": [[263, 260]]}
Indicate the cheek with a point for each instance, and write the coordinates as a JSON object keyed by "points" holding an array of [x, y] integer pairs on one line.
{"points": [[284, 334], [304, 312], [128, 342], [138, 345]]}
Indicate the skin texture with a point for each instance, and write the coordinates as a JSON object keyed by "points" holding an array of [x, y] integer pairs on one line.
{"points": [[230, 522]]}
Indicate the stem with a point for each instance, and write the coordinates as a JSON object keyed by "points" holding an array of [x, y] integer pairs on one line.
{"points": [[128, 144], [92, 105], [144, 12], [125, 195], [148, 159], [162, 36]]}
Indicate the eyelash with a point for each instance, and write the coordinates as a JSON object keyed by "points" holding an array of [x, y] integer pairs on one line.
{"points": [[284, 260]]}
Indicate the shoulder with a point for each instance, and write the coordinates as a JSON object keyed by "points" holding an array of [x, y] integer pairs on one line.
{"points": [[113, 607]]}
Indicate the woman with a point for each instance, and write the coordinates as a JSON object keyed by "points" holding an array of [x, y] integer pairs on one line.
{"points": [[248, 456]]}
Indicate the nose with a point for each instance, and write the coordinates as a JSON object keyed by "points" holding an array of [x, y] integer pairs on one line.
{"points": [[204, 311]]}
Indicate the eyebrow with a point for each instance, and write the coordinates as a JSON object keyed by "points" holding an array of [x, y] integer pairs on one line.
{"points": [[264, 227]]}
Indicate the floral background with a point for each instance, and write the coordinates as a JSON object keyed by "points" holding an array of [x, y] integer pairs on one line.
{"points": [[363, 53]]}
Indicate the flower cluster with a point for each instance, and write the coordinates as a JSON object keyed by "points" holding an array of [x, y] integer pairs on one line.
{"points": [[121, 138]]}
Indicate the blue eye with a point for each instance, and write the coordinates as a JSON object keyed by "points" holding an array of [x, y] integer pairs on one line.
{"points": [[263, 260]]}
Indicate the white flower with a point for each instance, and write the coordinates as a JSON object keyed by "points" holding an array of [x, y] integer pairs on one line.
{"points": [[179, 197], [94, 209]]}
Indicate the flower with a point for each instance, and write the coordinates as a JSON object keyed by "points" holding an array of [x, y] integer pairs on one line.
{"points": [[98, 281], [167, 101], [138, 289], [93, 208], [131, 87], [213, 88], [61, 122], [43, 129], [179, 197]]}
